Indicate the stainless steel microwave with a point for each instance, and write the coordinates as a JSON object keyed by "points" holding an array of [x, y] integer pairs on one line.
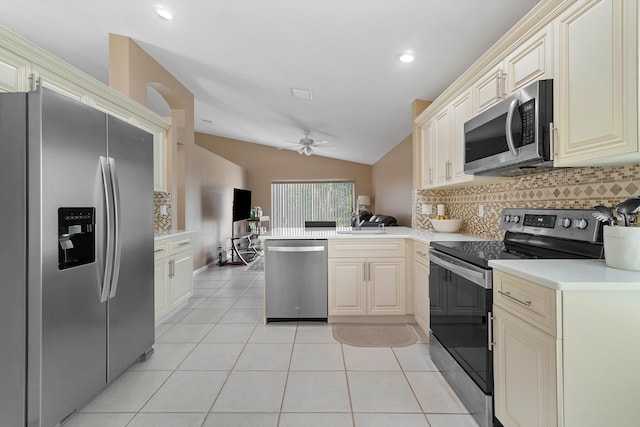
{"points": [[513, 136]]}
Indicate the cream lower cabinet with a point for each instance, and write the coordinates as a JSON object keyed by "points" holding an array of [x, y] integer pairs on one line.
{"points": [[373, 284], [524, 373], [596, 84], [173, 277], [421, 285], [564, 358]]}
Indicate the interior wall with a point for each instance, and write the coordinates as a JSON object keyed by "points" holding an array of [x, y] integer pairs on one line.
{"points": [[199, 182], [392, 178], [211, 200], [264, 164]]}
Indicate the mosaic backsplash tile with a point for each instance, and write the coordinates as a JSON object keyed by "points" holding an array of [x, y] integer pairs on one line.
{"points": [[161, 222], [570, 188]]}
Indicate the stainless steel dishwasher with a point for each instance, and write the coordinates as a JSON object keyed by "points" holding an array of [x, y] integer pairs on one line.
{"points": [[296, 280]]}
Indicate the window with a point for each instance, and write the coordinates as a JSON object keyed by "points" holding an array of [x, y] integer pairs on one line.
{"points": [[293, 203]]}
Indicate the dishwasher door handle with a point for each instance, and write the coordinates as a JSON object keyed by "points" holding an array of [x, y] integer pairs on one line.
{"points": [[294, 249]]}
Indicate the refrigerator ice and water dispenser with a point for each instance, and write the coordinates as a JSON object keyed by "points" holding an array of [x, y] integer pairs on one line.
{"points": [[76, 237]]}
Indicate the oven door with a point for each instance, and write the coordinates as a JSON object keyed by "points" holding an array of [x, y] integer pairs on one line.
{"points": [[460, 302]]}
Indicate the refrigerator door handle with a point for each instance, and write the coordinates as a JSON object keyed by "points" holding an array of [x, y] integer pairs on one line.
{"points": [[117, 252], [108, 267]]}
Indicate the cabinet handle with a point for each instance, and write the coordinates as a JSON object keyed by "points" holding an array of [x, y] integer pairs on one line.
{"points": [[430, 175], [508, 295], [172, 269], [490, 331], [448, 170], [184, 242], [552, 138], [503, 83], [155, 251]]}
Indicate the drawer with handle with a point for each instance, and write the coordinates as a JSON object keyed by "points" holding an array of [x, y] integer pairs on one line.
{"points": [[421, 252], [161, 248], [529, 301], [179, 244]]}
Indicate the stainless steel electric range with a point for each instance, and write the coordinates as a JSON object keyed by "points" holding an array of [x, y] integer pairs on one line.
{"points": [[460, 292]]}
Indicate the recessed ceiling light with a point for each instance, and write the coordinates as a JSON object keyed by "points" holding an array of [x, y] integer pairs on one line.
{"points": [[406, 56], [164, 14]]}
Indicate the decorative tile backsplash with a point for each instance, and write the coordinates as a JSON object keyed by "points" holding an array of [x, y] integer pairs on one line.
{"points": [[161, 222], [570, 188]]}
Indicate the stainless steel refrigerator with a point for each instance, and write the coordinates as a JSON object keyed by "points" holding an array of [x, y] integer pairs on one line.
{"points": [[76, 257]]}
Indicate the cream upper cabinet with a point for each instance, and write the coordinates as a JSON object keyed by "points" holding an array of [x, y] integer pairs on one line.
{"points": [[14, 73], [531, 61], [21, 62], [426, 140], [443, 145], [489, 88], [596, 84], [441, 160]]}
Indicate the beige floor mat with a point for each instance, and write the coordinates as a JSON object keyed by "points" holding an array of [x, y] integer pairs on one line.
{"points": [[374, 335]]}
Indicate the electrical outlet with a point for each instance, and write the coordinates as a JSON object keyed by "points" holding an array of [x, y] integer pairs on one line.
{"points": [[426, 209], [163, 210], [480, 210]]}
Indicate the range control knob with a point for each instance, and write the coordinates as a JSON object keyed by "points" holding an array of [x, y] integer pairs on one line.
{"points": [[507, 218], [581, 224], [515, 218], [565, 222]]}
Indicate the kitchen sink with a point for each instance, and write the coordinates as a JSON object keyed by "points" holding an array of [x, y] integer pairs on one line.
{"points": [[363, 231]]}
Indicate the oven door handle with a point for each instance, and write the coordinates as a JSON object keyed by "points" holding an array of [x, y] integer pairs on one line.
{"points": [[482, 278]]}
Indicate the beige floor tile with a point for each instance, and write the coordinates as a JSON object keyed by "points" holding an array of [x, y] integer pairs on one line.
{"points": [[316, 392], [369, 358], [252, 392], [381, 392], [187, 391]]}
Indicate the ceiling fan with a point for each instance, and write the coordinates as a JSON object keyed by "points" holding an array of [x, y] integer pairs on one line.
{"points": [[306, 145]]}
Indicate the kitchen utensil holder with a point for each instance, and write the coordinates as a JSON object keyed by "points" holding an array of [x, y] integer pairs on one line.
{"points": [[622, 247]]}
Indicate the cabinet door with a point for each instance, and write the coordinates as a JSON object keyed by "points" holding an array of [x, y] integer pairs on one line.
{"points": [[460, 112], [182, 278], [386, 293], [489, 88], [421, 295], [426, 138], [161, 287], [441, 163], [13, 73], [531, 61], [347, 291], [524, 359], [595, 92]]}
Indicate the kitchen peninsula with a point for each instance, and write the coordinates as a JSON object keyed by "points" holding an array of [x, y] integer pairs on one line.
{"points": [[380, 274]]}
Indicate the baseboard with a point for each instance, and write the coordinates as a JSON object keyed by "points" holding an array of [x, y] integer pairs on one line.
{"points": [[408, 318]]}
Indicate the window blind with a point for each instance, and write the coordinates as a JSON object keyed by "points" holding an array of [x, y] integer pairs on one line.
{"points": [[293, 203]]}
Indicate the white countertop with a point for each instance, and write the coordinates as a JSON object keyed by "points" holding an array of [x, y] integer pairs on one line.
{"points": [[424, 236], [571, 274], [159, 235]]}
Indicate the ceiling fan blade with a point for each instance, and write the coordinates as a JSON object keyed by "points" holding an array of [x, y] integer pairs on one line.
{"points": [[325, 147], [289, 147]]}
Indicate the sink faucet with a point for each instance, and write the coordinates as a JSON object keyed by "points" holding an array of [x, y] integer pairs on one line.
{"points": [[355, 224]]}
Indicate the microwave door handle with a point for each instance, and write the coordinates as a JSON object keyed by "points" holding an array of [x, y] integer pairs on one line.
{"points": [[507, 127]]}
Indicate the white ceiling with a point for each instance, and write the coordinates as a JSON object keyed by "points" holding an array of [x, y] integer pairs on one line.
{"points": [[240, 58]]}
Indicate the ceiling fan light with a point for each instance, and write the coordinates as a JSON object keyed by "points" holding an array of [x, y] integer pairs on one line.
{"points": [[308, 151]]}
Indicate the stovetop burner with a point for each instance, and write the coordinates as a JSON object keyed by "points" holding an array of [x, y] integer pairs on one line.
{"points": [[534, 234]]}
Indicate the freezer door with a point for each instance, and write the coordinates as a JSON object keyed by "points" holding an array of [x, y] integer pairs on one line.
{"points": [[13, 261], [67, 321], [131, 322]]}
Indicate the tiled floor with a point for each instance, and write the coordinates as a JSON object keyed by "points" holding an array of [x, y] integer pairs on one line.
{"points": [[217, 364]]}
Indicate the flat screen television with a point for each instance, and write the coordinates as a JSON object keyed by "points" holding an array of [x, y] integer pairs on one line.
{"points": [[241, 204]]}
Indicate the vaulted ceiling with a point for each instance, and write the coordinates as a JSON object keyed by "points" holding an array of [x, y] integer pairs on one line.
{"points": [[242, 58]]}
